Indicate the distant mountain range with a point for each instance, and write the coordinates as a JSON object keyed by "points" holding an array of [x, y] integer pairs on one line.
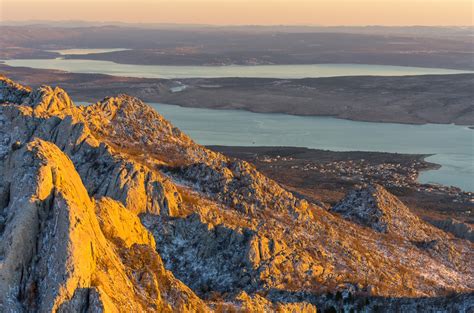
{"points": [[290, 28], [437, 47]]}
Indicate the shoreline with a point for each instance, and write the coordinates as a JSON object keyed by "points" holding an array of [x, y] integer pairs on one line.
{"points": [[306, 115], [366, 99], [432, 167], [428, 166], [106, 56], [325, 176]]}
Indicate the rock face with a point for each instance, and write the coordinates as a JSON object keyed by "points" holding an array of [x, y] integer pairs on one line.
{"points": [[455, 227], [63, 251], [12, 92], [374, 207], [109, 208]]}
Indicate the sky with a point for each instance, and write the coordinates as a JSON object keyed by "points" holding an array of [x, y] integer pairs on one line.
{"points": [[246, 12]]}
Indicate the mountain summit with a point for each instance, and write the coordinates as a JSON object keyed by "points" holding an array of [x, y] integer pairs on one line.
{"points": [[110, 208], [373, 206]]}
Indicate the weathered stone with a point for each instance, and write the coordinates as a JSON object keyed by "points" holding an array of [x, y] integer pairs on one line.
{"points": [[80, 192]]}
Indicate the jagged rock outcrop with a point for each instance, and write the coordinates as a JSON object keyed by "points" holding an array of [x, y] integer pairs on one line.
{"points": [[130, 124], [240, 185], [260, 304], [62, 250], [11, 91], [54, 118], [373, 206], [131, 215], [191, 246], [455, 227]]}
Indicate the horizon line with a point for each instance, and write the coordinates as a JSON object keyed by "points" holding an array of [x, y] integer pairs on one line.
{"points": [[105, 23]]}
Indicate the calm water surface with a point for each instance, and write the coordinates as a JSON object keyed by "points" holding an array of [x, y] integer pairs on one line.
{"points": [[262, 71], [86, 51], [453, 145]]}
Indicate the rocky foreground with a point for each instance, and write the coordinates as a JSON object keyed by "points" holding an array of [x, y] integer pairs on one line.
{"points": [[109, 208]]}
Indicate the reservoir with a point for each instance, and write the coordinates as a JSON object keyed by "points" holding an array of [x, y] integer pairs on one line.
{"points": [[452, 145], [254, 71]]}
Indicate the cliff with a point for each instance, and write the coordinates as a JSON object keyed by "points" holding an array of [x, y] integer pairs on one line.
{"points": [[111, 208]]}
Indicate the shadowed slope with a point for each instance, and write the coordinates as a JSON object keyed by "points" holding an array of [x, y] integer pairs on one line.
{"points": [[221, 226], [60, 244]]}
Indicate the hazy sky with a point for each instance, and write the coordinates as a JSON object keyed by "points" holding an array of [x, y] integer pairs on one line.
{"points": [[309, 12]]}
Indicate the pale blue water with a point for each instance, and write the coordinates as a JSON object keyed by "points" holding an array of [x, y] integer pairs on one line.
{"points": [[262, 71], [86, 51], [453, 145]]}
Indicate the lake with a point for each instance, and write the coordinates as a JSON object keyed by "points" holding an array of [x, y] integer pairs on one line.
{"points": [[85, 51], [453, 145], [255, 71]]}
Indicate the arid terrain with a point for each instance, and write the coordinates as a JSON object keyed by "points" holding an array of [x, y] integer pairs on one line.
{"points": [[111, 208], [108, 207], [326, 176], [409, 99], [440, 47]]}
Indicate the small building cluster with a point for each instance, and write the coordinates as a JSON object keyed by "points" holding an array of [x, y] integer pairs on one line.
{"points": [[386, 174]]}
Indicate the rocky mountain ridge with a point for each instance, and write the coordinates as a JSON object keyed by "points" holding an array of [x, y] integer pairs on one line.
{"points": [[132, 215], [374, 207]]}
